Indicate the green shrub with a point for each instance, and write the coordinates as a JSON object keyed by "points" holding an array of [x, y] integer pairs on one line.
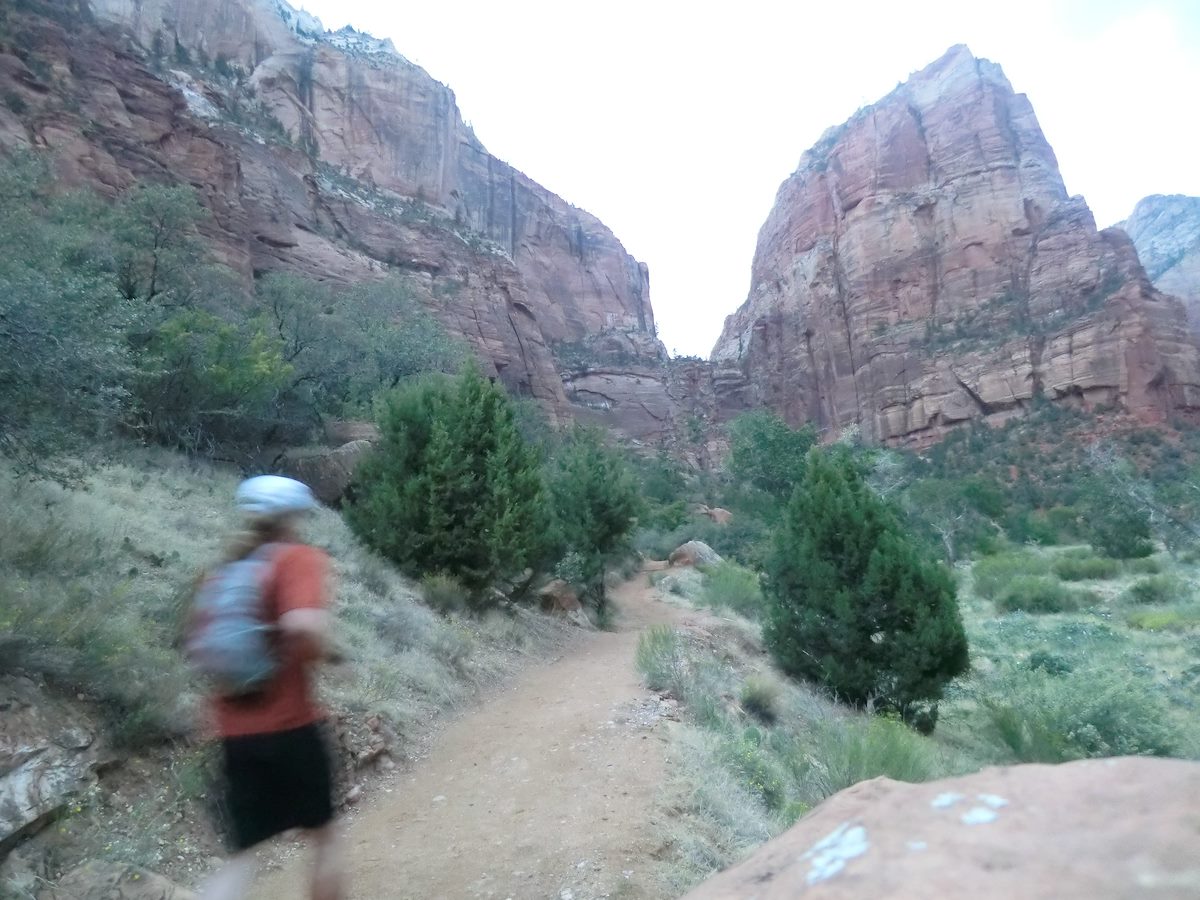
{"points": [[992, 575], [1164, 619], [1147, 565], [661, 660], [766, 452], [729, 586], [760, 698], [1050, 663], [1159, 589], [445, 593], [1037, 717], [848, 751], [1070, 568], [452, 486], [852, 604], [1037, 594]]}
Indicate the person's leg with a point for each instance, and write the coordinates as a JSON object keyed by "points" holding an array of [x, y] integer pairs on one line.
{"points": [[232, 881], [328, 865]]}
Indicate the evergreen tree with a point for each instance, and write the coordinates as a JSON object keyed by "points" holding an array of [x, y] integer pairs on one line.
{"points": [[766, 452], [595, 503], [852, 605], [453, 488]]}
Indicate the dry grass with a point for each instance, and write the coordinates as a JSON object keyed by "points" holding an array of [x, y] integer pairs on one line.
{"points": [[93, 586]]}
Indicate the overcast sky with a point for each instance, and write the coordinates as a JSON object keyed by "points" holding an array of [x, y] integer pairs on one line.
{"points": [[675, 121]]}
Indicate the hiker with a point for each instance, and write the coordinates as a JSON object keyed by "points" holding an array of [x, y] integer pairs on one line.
{"points": [[258, 630]]}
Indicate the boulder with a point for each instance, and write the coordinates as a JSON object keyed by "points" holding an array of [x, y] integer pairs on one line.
{"points": [[338, 432], [559, 596], [327, 472], [719, 515], [694, 553], [1092, 830], [47, 755], [96, 880]]}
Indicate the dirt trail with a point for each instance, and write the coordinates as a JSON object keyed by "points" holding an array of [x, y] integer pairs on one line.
{"points": [[546, 790]]}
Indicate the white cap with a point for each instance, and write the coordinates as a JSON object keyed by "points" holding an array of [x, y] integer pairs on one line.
{"points": [[274, 495]]}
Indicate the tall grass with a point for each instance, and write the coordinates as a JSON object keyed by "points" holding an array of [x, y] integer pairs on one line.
{"points": [[730, 586]]}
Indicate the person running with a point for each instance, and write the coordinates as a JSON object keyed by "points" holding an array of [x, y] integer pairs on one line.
{"points": [[278, 773]]}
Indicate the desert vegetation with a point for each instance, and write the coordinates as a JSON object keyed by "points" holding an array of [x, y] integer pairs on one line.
{"points": [[1068, 571]]}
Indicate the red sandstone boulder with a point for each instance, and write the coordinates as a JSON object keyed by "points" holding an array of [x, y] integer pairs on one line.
{"points": [[559, 596], [327, 472], [694, 553], [1105, 829], [719, 515]]}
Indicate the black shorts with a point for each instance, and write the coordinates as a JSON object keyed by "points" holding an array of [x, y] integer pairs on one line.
{"points": [[275, 782]]}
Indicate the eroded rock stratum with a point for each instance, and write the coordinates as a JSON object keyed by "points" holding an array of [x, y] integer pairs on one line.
{"points": [[925, 266]]}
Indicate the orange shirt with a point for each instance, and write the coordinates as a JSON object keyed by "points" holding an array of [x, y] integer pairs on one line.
{"points": [[296, 580]]}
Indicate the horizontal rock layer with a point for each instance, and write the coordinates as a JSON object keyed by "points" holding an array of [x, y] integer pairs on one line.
{"points": [[324, 154], [924, 266]]}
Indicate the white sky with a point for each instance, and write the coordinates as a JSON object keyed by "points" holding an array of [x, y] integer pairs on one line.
{"points": [[675, 121]]}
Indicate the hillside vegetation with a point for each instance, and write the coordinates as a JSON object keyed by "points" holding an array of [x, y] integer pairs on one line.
{"points": [[1076, 580]]}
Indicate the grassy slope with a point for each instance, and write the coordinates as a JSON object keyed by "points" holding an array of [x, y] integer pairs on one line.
{"points": [[93, 585], [757, 750]]}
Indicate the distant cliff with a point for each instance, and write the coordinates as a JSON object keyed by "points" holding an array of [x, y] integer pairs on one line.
{"points": [[1166, 232], [924, 266], [327, 154]]}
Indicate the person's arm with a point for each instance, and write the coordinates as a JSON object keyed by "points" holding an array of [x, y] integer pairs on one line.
{"points": [[304, 620]]}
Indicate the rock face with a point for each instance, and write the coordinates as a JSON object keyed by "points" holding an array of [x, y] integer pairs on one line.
{"points": [[47, 757], [1036, 832], [925, 266], [326, 154], [1166, 232]]}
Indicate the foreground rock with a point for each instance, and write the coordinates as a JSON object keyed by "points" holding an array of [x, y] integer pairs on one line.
{"points": [[924, 266], [1097, 829], [47, 756]]}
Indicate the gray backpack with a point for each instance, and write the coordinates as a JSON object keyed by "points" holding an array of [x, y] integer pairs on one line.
{"points": [[230, 642]]}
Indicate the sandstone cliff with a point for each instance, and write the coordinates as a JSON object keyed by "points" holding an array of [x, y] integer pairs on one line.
{"points": [[327, 154], [925, 266], [1166, 232]]}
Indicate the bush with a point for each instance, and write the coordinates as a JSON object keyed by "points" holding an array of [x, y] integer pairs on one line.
{"points": [[767, 453], [760, 698], [852, 604], [1147, 565], [1050, 663], [660, 659], [1045, 718], [1164, 619], [1037, 594], [846, 752], [445, 593], [1070, 568], [452, 487], [992, 575], [1159, 589], [729, 586]]}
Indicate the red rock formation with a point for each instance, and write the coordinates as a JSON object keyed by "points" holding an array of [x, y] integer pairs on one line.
{"points": [[1099, 829], [924, 266], [324, 154]]}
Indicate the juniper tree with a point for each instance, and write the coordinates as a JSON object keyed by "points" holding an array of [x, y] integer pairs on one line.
{"points": [[452, 488], [852, 604]]}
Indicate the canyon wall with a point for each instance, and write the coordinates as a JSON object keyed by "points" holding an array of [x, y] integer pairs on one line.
{"points": [[1166, 232], [326, 154], [925, 266]]}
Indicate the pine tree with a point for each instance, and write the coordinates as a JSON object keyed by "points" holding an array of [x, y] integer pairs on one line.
{"points": [[595, 504], [852, 605], [453, 487]]}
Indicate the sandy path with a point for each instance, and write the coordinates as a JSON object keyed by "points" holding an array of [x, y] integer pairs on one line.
{"points": [[545, 791]]}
